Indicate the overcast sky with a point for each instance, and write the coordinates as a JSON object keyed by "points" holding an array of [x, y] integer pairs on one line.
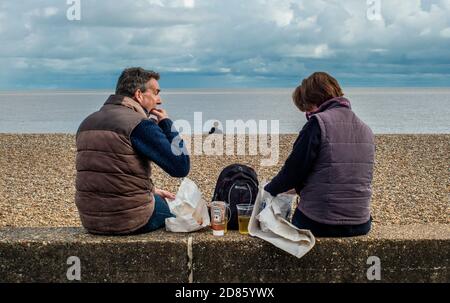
{"points": [[228, 43]]}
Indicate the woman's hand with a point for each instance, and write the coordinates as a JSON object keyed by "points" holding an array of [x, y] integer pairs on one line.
{"points": [[164, 194], [291, 192]]}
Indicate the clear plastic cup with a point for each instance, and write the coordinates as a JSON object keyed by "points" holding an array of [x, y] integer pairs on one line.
{"points": [[244, 213]]}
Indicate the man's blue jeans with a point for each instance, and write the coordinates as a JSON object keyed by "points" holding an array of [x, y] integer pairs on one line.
{"points": [[158, 218]]}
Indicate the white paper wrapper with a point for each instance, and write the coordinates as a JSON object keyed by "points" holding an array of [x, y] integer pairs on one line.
{"points": [[189, 208]]}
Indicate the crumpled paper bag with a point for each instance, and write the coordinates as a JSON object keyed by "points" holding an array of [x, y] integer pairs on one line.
{"points": [[190, 210], [269, 222]]}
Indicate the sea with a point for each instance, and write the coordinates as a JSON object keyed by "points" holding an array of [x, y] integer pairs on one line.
{"points": [[385, 110]]}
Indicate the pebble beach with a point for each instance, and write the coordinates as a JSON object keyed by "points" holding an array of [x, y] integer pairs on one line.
{"points": [[37, 178]]}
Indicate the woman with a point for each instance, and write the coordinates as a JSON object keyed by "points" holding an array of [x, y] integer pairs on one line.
{"points": [[331, 164]]}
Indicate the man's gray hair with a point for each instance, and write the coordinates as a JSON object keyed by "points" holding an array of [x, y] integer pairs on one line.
{"points": [[132, 79]]}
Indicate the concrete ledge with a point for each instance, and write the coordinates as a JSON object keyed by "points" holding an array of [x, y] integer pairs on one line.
{"points": [[408, 253]]}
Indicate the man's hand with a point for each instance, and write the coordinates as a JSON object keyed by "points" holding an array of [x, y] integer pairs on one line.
{"points": [[160, 114], [164, 194]]}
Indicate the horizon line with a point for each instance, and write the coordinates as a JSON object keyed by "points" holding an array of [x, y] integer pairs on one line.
{"points": [[77, 89]]}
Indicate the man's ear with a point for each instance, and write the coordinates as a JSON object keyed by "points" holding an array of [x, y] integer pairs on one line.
{"points": [[138, 96]]}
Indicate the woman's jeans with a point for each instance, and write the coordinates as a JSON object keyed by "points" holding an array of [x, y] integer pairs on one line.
{"points": [[324, 230], [158, 218]]}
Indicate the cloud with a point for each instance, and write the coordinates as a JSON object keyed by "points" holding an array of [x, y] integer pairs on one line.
{"points": [[243, 43], [445, 32], [189, 3]]}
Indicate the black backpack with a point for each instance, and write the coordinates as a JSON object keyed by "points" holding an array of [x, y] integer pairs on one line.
{"points": [[237, 184]]}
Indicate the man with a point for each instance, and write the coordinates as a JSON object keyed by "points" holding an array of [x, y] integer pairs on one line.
{"points": [[215, 129], [115, 146]]}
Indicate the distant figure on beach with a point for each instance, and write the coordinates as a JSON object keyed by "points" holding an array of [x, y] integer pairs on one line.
{"points": [[331, 164], [115, 147], [215, 129]]}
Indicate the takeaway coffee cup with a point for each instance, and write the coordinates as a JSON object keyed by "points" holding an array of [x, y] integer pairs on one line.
{"points": [[219, 217]]}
